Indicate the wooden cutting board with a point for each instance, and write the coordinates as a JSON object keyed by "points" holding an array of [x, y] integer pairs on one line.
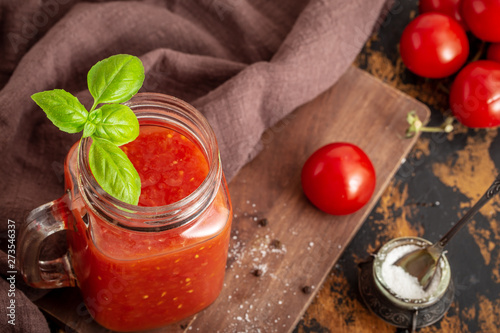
{"points": [[300, 244]]}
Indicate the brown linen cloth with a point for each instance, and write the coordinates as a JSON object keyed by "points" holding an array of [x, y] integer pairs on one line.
{"points": [[244, 63]]}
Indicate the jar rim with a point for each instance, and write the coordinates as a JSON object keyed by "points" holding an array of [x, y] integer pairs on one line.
{"points": [[169, 110]]}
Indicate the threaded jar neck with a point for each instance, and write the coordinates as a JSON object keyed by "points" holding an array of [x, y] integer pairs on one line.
{"points": [[158, 110]]}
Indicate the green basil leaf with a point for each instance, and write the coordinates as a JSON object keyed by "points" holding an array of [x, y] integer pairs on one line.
{"points": [[63, 109], [115, 79], [118, 124], [114, 172], [95, 117], [88, 129]]}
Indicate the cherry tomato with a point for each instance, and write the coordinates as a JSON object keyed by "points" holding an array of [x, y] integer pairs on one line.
{"points": [[446, 7], [475, 94], [482, 18], [434, 45], [493, 52], [338, 178]]}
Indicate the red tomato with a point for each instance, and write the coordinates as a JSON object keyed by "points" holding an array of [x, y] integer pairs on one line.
{"points": [[475, 94], [493, 52], [338, 178], [446, 7], [483, 17], [434, 45]]}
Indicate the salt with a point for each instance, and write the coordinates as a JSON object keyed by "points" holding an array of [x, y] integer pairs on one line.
{"points": [[400, 282]]}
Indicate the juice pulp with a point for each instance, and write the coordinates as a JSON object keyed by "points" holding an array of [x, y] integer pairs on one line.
{"points": [[135, 280], [170, 166]]}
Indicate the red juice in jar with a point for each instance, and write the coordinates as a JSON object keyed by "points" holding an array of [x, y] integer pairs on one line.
{"points": [[141, 267], [170, 166]]}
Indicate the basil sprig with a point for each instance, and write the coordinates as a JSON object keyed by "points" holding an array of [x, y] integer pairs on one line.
{"points": [[111, 81]]}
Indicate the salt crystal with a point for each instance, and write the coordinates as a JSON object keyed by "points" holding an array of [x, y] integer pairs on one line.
{"points": [[262, 268], [400, 282]]}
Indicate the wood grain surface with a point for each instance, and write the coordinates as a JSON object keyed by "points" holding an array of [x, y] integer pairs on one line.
{"points": [[441, 178], [274, 271]]}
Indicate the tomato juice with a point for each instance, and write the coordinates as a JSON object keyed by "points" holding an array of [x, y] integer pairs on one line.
{"points": [[170, 166], [133, 279]]}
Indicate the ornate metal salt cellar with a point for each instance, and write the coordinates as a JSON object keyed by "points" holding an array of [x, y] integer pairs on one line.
{"points": [[394, 309]]}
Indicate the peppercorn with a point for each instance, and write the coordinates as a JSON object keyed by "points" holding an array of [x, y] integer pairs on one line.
{"points": [[263, 222], [257, 272], [276, 243]]}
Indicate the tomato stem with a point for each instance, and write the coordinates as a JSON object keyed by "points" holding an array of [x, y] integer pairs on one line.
{"points": [[415, 125]]}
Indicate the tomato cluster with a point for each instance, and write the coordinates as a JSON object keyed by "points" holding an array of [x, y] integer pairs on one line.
{"points": [[435, 45]]}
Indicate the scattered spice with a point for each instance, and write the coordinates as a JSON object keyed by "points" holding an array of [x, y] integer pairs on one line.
{"points": [[263, 222], [307, 290], [257, 272], [428, 204], [276, 243]]}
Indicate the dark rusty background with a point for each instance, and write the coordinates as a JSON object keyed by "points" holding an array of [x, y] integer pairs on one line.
{"points": [[441, 178]]}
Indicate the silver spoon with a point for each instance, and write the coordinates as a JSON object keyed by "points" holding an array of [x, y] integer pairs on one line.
{"points": [[422, 263]]}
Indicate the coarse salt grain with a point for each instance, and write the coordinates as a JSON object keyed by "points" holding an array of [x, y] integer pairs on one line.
{"points": [[400, 282]]}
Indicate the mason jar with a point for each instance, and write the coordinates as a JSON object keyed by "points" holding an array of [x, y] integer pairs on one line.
{"points": [[136, 267]]}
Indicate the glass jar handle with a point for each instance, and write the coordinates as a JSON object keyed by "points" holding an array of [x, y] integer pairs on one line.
{"points": [[42, 222]]}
